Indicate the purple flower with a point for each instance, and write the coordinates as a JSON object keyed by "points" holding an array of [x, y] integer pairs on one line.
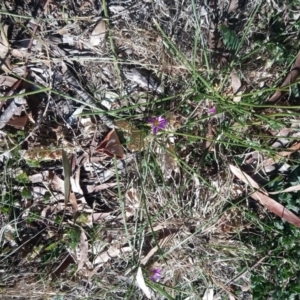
{"points": [[156, 274], [157, 124], [212, 110]]}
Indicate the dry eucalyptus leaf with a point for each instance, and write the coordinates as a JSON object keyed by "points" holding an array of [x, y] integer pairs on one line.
{"points": [[245, 178], [14, 108], [291, 77], [290, 189], [4, 49], [276, 208], [56, 182], [18, 122], [270, 161], [111, 145], [233, 6], [83, 250], [208, 295], [110, 253], [98, 33], [137, 139], [236, 85], [73, 202], [8, 81], [141, 283]]}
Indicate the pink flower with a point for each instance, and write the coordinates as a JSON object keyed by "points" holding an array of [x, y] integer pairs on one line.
{"points": [[156, 274], [158, 123], [212, 110]]}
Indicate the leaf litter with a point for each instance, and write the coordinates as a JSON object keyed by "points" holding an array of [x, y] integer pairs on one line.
{"points": [[83, 195]]}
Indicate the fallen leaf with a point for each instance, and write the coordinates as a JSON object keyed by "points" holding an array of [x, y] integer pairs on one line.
{"points": [[245, 178], [98, 218], [280, 155], [83, 250], [231, 297], [18, 122], [4, 49], [67, 175], [111, 145], [65, 263], [233, 6], [136, 137], [266, 201], [208, 295], [291, 77], [56, 182], [110, 253], [8, 81], [141, 283], [98, 33], [73, 202], [290, 189], [164, 237], [99, 187], [236, 85], [276, 208]]}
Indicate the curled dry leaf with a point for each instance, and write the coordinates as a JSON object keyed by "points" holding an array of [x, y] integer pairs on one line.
{"points": [[290, 189], [18, 122], [291, 77], [73, 202], [245, 178], [167, 236], [137, 140], [236, 85], [266, 201], [98, 33], [110, 253], [233, 6], [276, 208], [141, 283], [83, 250], [208, 295], [111, 145], [8, 81], [4, 49], [14, 108], [56, 182], [270, 161]]}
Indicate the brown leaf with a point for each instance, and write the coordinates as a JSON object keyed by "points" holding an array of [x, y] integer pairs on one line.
{"points": [[111, 145], [236, 85], [84, 248], [245, 178], [233, 6], [290, 189], [166, 236], [280, 155], [65, 263], [18, 122], [291, 77], [56, 182], [73, 202], [8, 81], [112, 252], [276, 208], [98, 218], [235, 82], [98, 33], [99, 187], [4, 49]]}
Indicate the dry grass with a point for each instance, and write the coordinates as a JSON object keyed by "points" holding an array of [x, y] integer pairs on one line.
{"points": [[173, 203]]}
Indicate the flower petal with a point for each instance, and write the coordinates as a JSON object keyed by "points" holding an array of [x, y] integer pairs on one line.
{"points": [[155, 130]]}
